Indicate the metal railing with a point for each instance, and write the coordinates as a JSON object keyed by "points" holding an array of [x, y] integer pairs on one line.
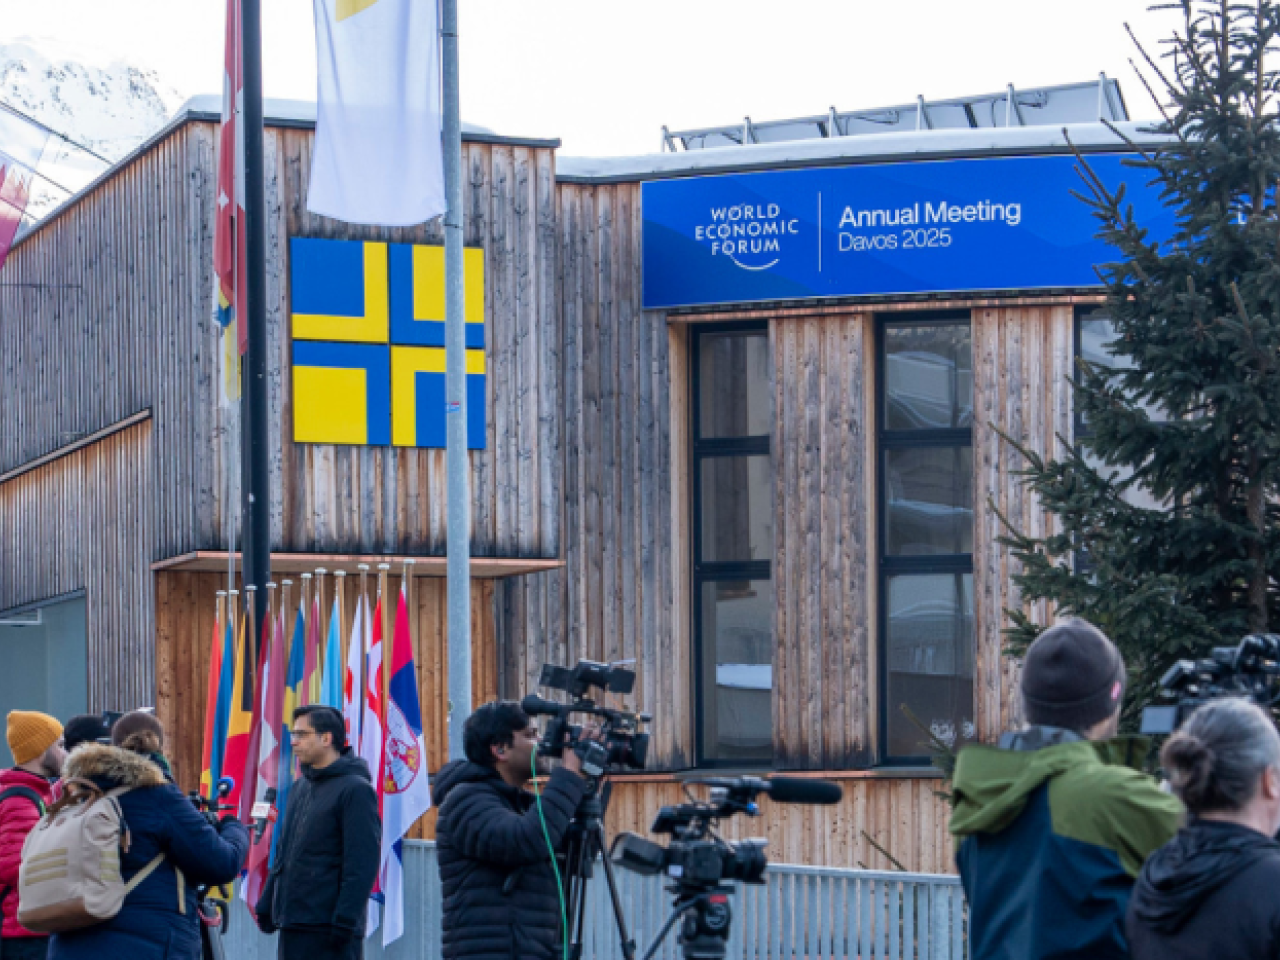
{"points": [[800, 913]]}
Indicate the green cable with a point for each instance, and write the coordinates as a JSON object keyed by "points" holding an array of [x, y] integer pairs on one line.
{"points": [[564, 913]]}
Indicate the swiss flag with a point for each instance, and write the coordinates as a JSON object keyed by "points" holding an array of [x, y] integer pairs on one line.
{"points": [[229, 231]]}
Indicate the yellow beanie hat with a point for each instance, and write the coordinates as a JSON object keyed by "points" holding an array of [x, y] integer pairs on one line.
{"points": [[31, 734]]}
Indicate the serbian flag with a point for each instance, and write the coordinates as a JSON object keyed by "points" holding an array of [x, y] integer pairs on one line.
{"points": [[211, 755], [253, 746], [331, 681], [22, 145], [377, 156], [292, 700], [268, 770], [229, 246], [406, 794], [353, 677], [239, 716]]}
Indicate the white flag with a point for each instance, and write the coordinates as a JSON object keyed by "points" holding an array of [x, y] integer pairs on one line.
{"points": [[378, 157], [353, 678]]}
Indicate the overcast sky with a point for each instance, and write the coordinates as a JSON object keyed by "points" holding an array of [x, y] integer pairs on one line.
{"points": [[605, 75]]}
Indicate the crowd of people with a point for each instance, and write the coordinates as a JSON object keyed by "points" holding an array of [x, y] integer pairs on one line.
{"points": [[1065, 847]]}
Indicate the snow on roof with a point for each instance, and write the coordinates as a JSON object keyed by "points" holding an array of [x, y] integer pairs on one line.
{"points": [[865, 148]]}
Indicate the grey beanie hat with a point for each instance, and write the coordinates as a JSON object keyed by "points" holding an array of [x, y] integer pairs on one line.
{"points": [[1073, 677]]}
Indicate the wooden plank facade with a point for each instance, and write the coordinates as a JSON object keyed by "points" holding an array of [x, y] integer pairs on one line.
{"points": [[106, 320]]}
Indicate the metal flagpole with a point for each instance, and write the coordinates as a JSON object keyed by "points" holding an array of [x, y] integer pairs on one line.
{"points": [[254, 438], [458, 541]]}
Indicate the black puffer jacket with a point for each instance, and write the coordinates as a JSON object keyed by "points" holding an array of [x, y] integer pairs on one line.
{"points": [[1211, 891], [329, 851], [500, 896]]}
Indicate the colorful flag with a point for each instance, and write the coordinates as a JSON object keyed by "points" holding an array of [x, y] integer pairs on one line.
{"points": [[211, 754], [239, 716], [378, 155], [22, 144], [253, 745], [229, 246], [292, 700], [311, 668], [331, 684], [406, 794], [268, 769], [371, 723], [353, 677]]}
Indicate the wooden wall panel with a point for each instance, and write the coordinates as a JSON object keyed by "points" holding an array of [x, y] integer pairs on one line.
{"points": [[84, 521], [616, 597], [904, 816], [391, 500], [823, 543], [1022, 359], [185, 604]]}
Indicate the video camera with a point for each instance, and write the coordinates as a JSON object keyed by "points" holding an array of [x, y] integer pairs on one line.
{"points": [[699, 861], [622, 743], [1249, 670]]}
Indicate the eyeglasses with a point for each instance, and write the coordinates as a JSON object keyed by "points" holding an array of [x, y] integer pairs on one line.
{"points": [[300, 734]]}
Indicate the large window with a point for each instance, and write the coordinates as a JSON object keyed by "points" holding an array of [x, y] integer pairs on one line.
{"points": [[926, 533], [1095, 335], [733, 544]]}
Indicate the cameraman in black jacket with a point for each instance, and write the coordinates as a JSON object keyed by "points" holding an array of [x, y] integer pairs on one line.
{"points": [[317, 894], [500, 895]]}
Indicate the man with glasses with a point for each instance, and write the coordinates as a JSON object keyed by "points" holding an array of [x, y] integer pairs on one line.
{"points": [[317, 893]]}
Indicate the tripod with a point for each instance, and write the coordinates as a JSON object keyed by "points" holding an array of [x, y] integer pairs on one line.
{"points": [[586, 842], [704, 932]]}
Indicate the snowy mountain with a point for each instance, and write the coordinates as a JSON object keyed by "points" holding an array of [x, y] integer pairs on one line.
{"points": [[103, 103]]}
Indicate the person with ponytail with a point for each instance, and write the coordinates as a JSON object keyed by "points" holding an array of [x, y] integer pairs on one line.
{"points": [[1214, 889], [158, 920]]}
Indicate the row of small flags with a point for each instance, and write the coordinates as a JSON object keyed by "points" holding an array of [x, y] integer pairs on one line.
{"points": [[249, 710]]}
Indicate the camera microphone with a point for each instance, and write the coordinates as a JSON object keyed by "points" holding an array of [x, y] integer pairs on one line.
{"points": [[264, 812], [535, 705], [800, 790]]}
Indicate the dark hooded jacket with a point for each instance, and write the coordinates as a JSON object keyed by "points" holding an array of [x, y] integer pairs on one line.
{"points": [[501, 900], [1212, 891], [1050, 841], [158, 920], [329, 851]]}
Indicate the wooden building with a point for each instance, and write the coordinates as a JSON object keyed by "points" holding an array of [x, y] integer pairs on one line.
{"points": [[783, 502]]}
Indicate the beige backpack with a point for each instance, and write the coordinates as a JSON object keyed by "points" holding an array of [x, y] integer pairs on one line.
{"points": [[70, 872]]}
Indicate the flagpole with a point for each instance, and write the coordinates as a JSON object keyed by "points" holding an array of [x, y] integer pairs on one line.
{"points": [[458, 535], [256, 503]]}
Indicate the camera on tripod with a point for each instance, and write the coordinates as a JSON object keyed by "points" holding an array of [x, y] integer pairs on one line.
{"points": [[1249, 670], [699, 862], [622, 742]]}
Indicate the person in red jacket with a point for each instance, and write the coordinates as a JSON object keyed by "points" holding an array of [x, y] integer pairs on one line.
{"points": [[35, 740]]}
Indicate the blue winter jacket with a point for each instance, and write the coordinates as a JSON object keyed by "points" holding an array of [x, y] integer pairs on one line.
{"points": [[158, 920]]}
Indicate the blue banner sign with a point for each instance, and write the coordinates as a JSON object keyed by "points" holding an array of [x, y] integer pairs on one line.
{"points": [[998, 223]]}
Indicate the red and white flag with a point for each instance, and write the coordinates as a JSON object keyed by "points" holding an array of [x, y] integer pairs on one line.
{"points": [[353, 676], [229, 254], [268, 772], [371, 731], [21, 145]]}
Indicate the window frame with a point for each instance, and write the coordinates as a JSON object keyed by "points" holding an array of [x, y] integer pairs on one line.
{"points": [[717, 570], [887, 565]]}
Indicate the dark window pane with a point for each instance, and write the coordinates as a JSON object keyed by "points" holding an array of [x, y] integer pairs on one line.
{"points": [[737, 508], [737, 670], [928, 377], [929, 494], [735, 394], [930, 653]]}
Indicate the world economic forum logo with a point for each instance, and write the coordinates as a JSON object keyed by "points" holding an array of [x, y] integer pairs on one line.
{"points": [[752, 235]]}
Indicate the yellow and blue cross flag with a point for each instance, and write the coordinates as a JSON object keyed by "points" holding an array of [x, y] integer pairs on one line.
{"points": [[368, 344]]}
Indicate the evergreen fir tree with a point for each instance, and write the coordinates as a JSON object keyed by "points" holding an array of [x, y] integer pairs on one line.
{"points": [[1197, 321]]}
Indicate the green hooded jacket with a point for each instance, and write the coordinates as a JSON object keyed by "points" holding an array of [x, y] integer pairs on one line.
{"points": [[1050, 842]]}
